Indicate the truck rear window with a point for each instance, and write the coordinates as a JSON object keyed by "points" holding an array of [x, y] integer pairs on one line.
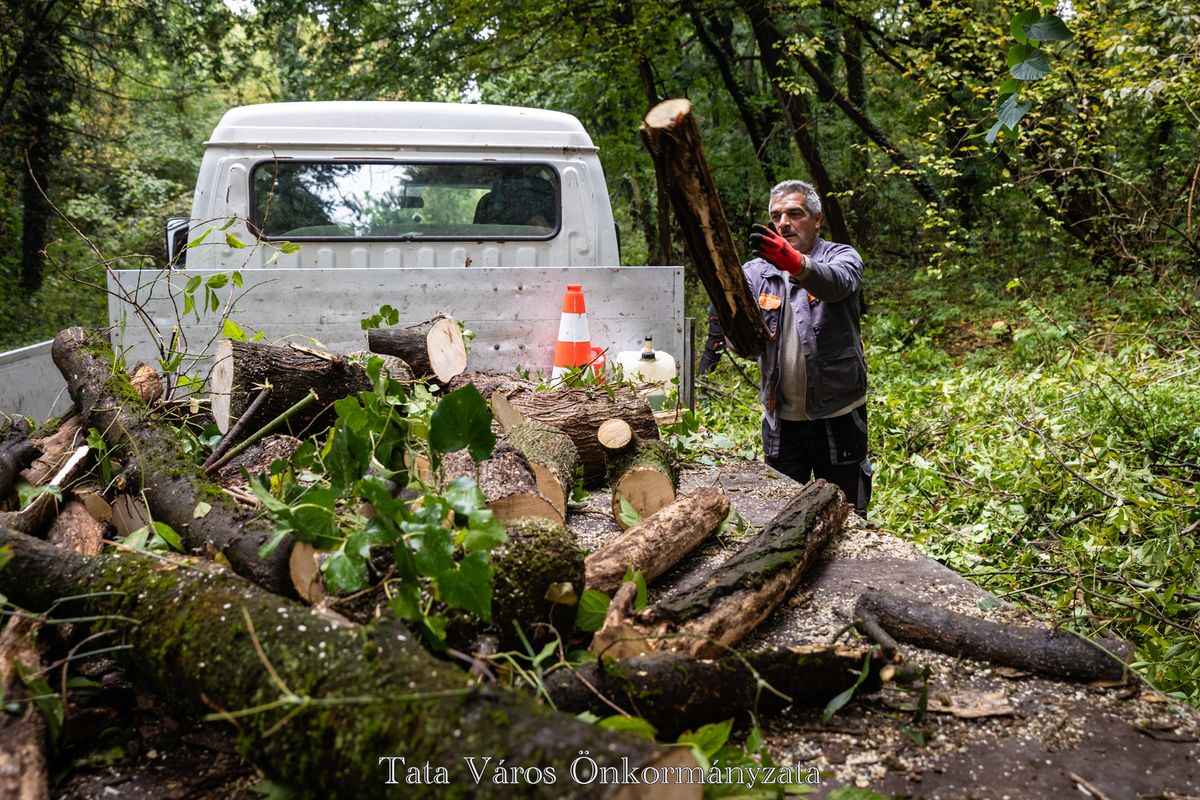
{"points": [[391, 200]]}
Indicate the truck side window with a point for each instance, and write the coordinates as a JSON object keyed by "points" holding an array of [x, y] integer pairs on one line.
{"points": [[405, 200]]}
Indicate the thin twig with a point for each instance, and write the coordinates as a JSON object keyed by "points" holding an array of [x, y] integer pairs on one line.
{"points": [[260, 433], [236, 429]]}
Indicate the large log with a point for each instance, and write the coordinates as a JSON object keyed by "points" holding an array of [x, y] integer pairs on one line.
{"points": [[552, 455], [241, 370], [506, 480], [708, 615], [646, 478], [17, 451], [1050, 652], [675, 692], [434, 347], [333, 702], [579, 413], [673, 139], [167, 477], [658, 542]]}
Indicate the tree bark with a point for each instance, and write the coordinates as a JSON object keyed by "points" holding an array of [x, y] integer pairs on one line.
{"points": [[675, 692], [76, 530], [672, 136], [579, 413], [169, 481], [334, 701], [434, 347], [17, 451], [507, 481], [552, 455], [24, 774], [645, 478], [658, 542], [713, 613], [1058, 653]]}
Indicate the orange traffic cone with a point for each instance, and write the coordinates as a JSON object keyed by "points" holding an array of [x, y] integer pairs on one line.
{"points": [[574, 348]]}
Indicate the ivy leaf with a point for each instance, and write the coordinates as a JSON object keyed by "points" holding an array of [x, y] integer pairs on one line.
{"points": [[623, 724], [484, 531], [1021, 22], [1034, 66], [462, 419], [1050, 28], [464, 496], [470, 586], [434, 551], [593, 605], [344, 574]]}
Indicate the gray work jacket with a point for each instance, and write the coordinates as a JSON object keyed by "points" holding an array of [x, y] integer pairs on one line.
{"points": [[827, 314]]}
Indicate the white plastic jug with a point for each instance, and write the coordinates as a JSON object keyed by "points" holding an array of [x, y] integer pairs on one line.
{"points": [[656, 368]]}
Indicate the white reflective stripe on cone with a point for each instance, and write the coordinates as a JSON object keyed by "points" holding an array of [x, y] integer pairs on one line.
{"points": [[573, 328]]}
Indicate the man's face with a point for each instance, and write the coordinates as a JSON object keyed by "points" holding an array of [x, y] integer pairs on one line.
{"points": [[794, 222]]}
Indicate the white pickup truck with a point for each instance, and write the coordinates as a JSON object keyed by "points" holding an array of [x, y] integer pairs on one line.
{"points": [[327, 211]]}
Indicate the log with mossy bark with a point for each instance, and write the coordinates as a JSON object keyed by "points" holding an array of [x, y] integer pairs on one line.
{"points": [[659, 541], [17, 451], [320, 705], [434, 347], [552, 455], [672, 136], [715, 611], [675, 692], [507, 481], [578, 412], [644, 478], [178, 494], [887, 617], [24, 772]]}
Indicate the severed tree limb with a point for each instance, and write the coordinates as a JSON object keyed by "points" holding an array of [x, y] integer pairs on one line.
{"points": [[318, 703], [24, 774], [675, 692], [434, 347], [645, 477], [169, 481], [507, 481], [17, 451], [1050, 652], [552, 455]]}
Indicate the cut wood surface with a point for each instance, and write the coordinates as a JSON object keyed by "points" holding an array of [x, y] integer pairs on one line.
{"points": [[715, 611], [658, 542], [243, 369], [168, 479], [304, 565], [673, 139], [77, 530], [57, 447], [1050, 652], [579, 413], [23, 766], [507, 481], [614, 434], [434, 347], [552, 455], [645, 478], [147, 382], [376, 693]]}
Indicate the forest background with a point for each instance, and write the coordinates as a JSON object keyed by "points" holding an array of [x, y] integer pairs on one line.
{"points": [[1021, 181]]}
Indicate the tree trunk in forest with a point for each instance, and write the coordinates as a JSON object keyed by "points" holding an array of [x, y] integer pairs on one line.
{"points": [[672, 136], [168, 479], [1058, 653], [434, 347], [24, 774], [658, 542], [552, 455], [713, 613], [579, 413], [507, 481], [337, 702], [675, 692], [645, 478], [241, 370]]}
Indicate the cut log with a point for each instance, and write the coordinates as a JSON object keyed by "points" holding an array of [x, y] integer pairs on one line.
{"points": [[675, 692], [34, 518], [614, 434], [488, 382], [672, 136], [645, 478], [23, 766], [708, 615], [434, 347], [242, 369], [1058, 653], [57, 447], [17, 451], [168, 478], [658, 542], [147, 382], [579, 413], [77, 530], [357, 696], [552, 455], [305, 568], [507, 481]]}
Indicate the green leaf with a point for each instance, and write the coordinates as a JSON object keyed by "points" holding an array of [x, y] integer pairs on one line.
{"points": [[434, 551], [289, 247], [344, 574], [1035, 66], [470, 586], [635, 725], [234, 242], [1010, 86], [167, 534], [217, 281], [195, 242], [231, 330], [464, 496], [708, 738], [1050, 28], [1011, 110], [593, 605], [462, 419], [1020, 22], [228, 223], [484, 531], [834, 705], [629, 515], [631, 574], [193, 284], [201, 510], [854, 793]]}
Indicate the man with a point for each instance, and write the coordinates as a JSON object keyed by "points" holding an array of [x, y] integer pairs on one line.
{"points": [[814, 375]]}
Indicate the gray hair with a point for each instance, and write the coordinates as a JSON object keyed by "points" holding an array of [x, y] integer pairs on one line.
{"points": [[812, 200]]}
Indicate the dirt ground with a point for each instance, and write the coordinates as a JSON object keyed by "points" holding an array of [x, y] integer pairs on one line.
{"points": [[988, 733]]}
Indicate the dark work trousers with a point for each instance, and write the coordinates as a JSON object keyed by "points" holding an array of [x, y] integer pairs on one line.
{"points": [[834, 449]]}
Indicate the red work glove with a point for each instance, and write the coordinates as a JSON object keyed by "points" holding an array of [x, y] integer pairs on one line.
{"points": [[767, 244]]}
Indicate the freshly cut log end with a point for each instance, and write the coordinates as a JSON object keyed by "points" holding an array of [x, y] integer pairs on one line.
{"points": [[614, 434], [434, 347], [76, 529], [645, 479], [669, 113], [552, 455], [504, 412], [221, 385], [305, 568], [146, 382]]}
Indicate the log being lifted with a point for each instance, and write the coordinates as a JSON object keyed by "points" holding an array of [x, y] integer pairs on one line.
{"points": [[658, 542], [1057, 653], [356, 699], [552, 455], [579, 413], [672, 136], [711, 614], [506, 480], [434, 347], [169, 480], [242, 369], [675, 692], [646, 478]]}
